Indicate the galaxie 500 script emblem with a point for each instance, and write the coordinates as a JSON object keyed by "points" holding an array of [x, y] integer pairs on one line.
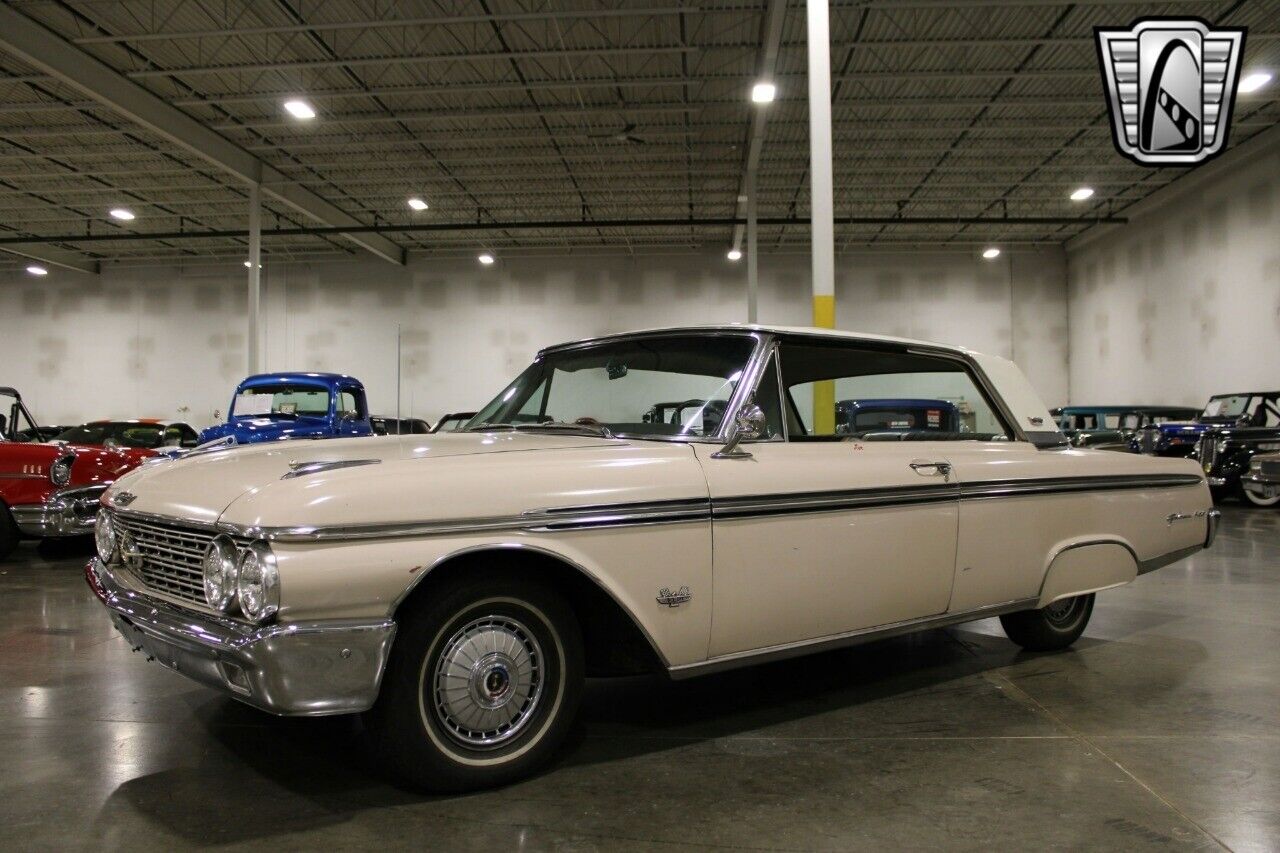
{"points": [[667, 598], [1170, 85]]}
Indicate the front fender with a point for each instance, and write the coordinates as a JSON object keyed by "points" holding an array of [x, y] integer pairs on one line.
{"points": [[369, 579]]}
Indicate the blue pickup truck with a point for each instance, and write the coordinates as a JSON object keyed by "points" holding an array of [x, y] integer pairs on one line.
{"points": [[1223, 411], [275, 406]]}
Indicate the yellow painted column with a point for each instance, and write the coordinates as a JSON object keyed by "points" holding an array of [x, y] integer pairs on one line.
{"points": [[824, 393]]}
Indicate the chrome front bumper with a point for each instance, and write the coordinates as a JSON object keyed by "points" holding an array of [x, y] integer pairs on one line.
{"points": [[69, 512], [311, 669]]}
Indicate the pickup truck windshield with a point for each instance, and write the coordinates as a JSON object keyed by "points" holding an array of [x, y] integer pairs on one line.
{"points": [[282, 400], [1226, 407], [659, 386]]}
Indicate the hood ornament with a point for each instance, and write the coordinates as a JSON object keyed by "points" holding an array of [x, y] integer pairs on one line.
{"points": [[302, 469], [123, 498]]}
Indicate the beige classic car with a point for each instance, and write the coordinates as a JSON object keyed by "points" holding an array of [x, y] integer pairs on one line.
{"points": [[685, 500]]}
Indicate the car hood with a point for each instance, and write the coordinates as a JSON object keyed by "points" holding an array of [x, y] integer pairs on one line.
{"points": [[387, 477]]}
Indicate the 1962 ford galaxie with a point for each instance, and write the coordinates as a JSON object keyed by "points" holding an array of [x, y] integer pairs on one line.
{"points": [[459, 587]]}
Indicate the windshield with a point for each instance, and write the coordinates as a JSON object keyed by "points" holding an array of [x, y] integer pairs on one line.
{"points": [[119, 434], [1232, 406], [282, 400], [659, 387]]}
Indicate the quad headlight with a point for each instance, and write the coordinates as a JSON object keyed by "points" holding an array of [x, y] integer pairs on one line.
{"points": [[60, 470], [258, 582], [219, 566], [104, 536]]}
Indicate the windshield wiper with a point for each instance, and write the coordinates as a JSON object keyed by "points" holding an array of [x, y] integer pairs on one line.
{"points": [[550, 426]]}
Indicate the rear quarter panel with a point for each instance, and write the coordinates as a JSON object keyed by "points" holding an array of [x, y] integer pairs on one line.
{"points": [[1007, 544]]}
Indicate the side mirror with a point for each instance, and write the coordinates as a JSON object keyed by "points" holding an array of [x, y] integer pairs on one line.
{"points": [[748, 424]]}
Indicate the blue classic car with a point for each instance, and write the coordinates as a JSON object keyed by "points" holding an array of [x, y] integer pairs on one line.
{"points": [[1113, 427], [273, 406], [890, 415], [1247, 409]]}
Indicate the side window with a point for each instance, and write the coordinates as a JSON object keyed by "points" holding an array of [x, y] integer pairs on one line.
{"points": [[348, 404], [833, 391]]}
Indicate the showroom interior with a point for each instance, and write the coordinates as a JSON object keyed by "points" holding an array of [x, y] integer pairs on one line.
{"points": [[426, 195]]}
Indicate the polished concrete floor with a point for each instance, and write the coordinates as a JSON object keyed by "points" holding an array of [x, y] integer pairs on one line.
{"points": [[1159, 730]]}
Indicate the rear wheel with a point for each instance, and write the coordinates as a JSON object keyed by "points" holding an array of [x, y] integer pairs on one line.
{"points": [[8, 532], [1050, 628], [482, 686]]}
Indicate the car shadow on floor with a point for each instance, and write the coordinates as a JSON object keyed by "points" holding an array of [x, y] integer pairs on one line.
{"points": [[282, 775]]}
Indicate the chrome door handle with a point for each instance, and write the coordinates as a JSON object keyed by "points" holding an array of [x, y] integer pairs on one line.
{"points": [[921, 467]]}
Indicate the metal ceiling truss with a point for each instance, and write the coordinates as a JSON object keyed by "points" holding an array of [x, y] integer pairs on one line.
{"points": [[581, 127]]}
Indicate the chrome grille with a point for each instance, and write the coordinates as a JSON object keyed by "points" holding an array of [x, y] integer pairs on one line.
{"points": [[1207, 452], [1147, 442], [172, 555]]}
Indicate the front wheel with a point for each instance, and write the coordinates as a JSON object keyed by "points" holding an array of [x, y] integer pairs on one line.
{"points": [[1050, 628], [482, 686], [1258, 500]]}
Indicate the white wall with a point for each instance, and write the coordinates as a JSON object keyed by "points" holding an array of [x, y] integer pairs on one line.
{"points": [[1184, 301], [168, 342]]}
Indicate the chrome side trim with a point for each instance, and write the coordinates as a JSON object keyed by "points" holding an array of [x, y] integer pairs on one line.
{"points": [[849, 638], [754, 506], [685, 510], [1163, 560], [1054, 485]]}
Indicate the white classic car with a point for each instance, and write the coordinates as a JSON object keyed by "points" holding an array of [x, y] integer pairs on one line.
{"points": [[684, 499]]}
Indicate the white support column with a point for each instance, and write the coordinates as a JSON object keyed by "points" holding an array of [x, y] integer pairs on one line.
{"points": [[823, 206], [255, 278], [753, 270]]}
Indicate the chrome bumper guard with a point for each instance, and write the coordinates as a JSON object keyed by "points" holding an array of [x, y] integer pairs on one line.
{"points": [[69, 512], [1211, 531], [311, 669]]}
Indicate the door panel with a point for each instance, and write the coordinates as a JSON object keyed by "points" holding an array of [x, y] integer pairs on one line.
{"points": [[813, 539]]}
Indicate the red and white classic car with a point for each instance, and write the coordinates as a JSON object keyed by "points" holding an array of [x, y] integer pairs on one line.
{"points": [[52, 490]]}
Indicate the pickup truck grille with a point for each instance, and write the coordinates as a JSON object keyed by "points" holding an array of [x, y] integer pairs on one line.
{"points": [[171, 556]]}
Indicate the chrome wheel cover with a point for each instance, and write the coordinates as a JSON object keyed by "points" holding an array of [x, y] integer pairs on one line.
{"points": [[487, 681], [1061, 612]]}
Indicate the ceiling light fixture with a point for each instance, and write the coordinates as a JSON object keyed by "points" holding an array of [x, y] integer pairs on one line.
{"points": [[486, 259], [763, 93], [417, 203], [734, 255], [991, 254], [300, 109], [35, 270], [1255, 81], [1082, 194], [123, 214]]}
